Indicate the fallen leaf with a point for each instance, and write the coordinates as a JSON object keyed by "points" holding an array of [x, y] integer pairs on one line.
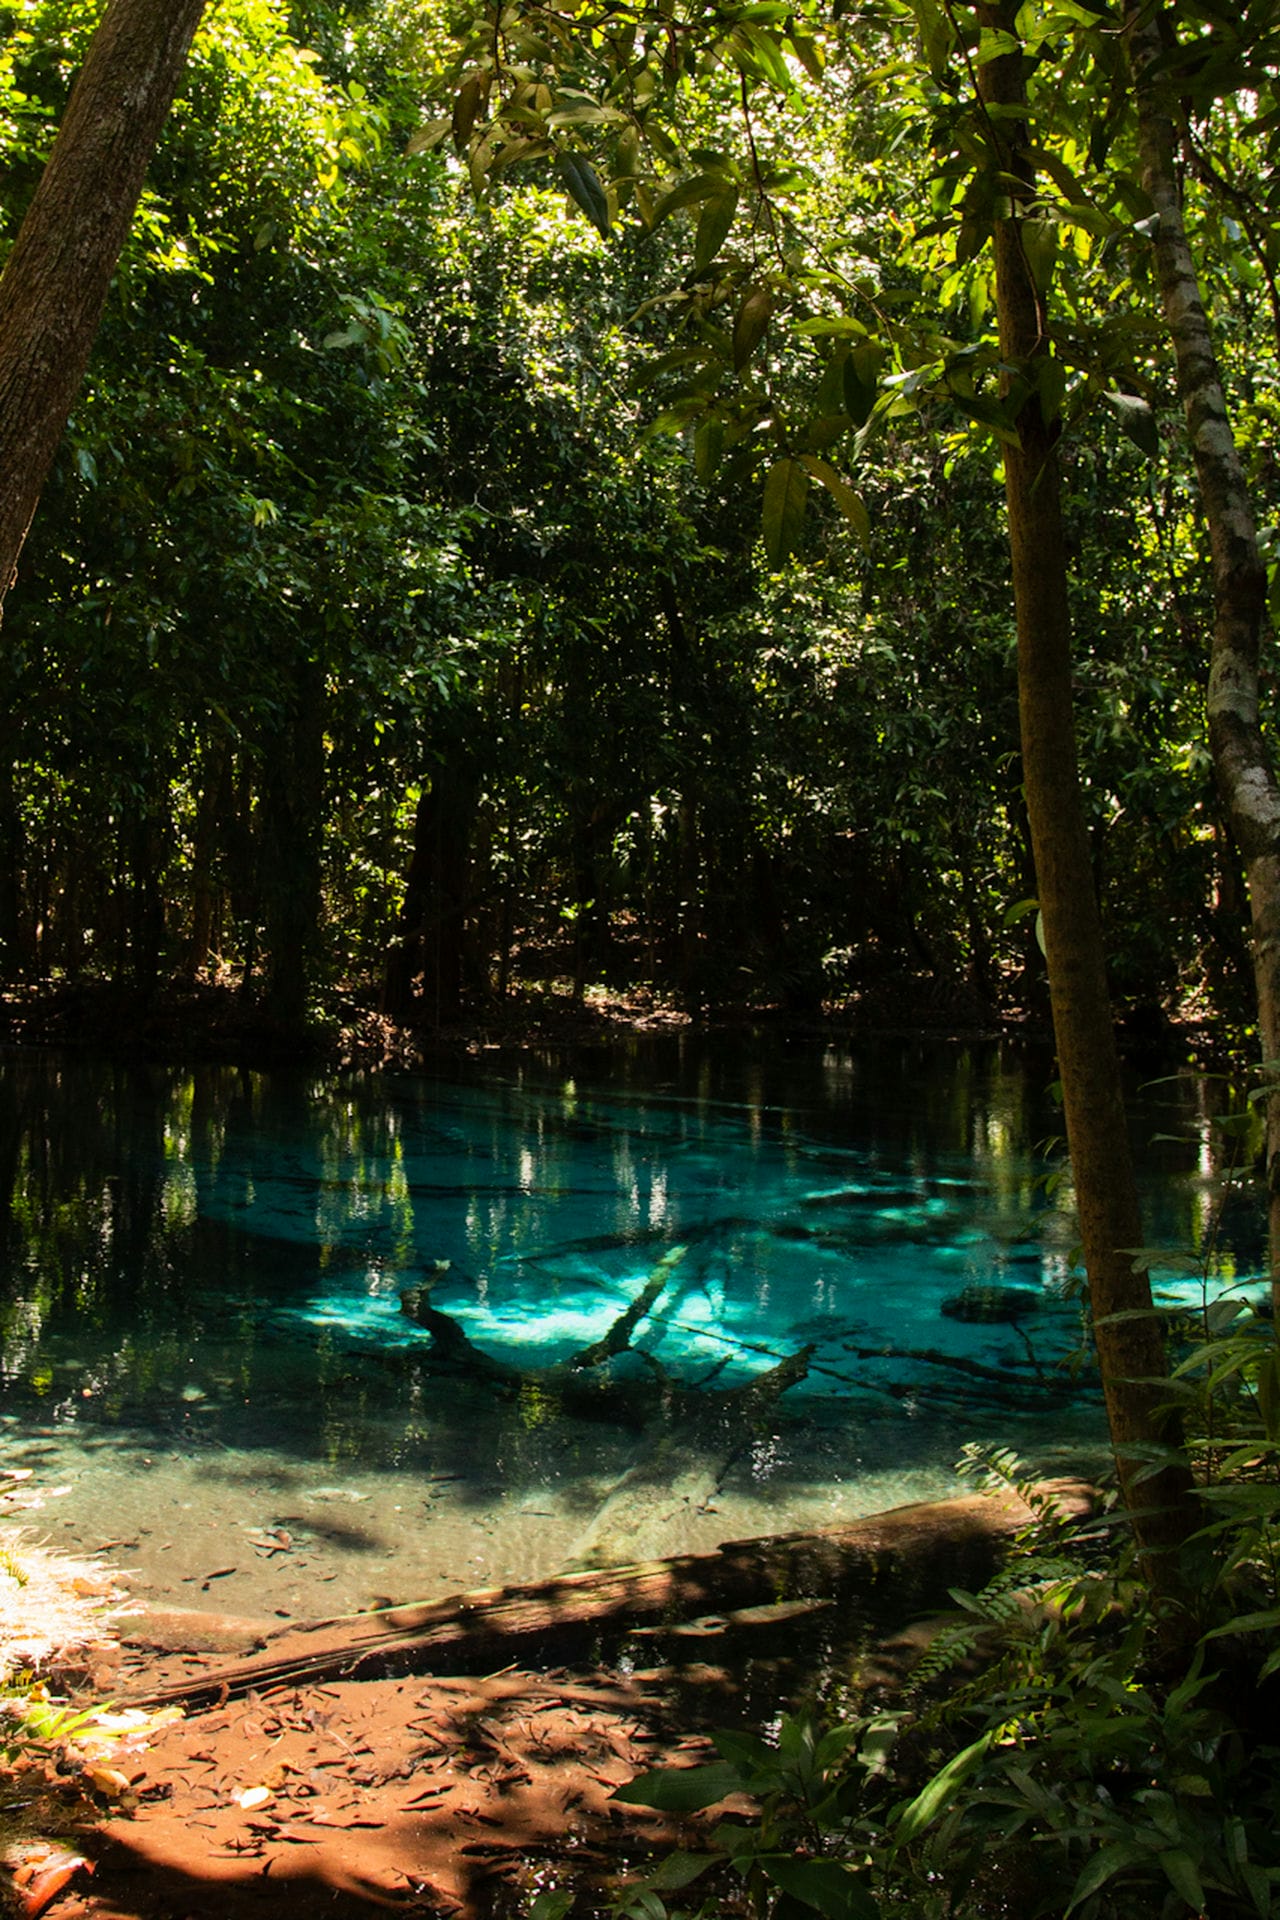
{"points": [[108, 1780], [42, 1876]]}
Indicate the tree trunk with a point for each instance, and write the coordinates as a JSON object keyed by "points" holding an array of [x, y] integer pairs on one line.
{"points": [[1243, 765], [55, 283], [424, 968], [12, 951], [145, 908], [292, 819], [213, 807], [1127, 1332]]}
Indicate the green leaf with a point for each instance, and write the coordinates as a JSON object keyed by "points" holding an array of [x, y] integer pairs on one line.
{"points": [[842, 493], [759, 52], [428, 136], [1104, 1866], [586, 115], [1040, 248], [915, 1817], [466, 108], [680, 1869], [582, 184], [715, 223], [1019, 911], [645, 1905], [879, 1741], [698, 187], [1180, 1870], [681, 1789], [1137, 420], [751, 325], [1268, 1387], [993, 44], [553, 1903], [808, 52], [859, 390], [827, 1886], [785, 491], [989, 413], [937, 35], [708, 445], [1264, 1622], [747, 1752]]}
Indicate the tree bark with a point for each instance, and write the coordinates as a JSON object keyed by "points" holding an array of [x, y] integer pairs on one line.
{"points": [[1242, 762], [56, 280], [213, 807], [292, 808], [425, 965], [1126, 1329]]}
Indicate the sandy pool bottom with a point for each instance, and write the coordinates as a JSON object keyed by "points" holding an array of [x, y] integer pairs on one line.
{"points": [[260, 1533]]}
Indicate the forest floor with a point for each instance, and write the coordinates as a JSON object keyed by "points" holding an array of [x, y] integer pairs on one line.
{"points": [[348, 1768], [210, 1020], [215, 1021], [443, 1796]]}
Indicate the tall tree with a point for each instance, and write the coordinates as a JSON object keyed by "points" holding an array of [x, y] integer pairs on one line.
{"points": [[56, 279], [1243, 761], [1126, 1329]]}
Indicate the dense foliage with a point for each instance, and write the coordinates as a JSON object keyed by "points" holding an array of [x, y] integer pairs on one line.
{"points": [[1045, 1759], [398, 615], [558, 509]]}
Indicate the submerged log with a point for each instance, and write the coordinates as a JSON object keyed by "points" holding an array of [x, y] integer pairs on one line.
{"points": [[582, 1389], [872, 1574]]}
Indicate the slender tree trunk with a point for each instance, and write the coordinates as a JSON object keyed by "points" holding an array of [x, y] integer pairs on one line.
{"points": [[56, 280], [1242, 762], [292, 804], [1127, 1332], [429, 947], [214, 804], [12, 955], [146, 896]]}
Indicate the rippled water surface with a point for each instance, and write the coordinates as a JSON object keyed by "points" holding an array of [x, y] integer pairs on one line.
{"points": [[204, 1360]]}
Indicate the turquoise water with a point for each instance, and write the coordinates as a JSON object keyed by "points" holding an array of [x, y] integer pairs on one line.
{"points": [[202, 1273]]}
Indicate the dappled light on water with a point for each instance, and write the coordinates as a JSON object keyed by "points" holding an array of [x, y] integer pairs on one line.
{"points": [[856, 1266]]}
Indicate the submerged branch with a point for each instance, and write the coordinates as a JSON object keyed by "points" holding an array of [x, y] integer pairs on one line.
{"points": [[618, 1337], [581, 1388]]}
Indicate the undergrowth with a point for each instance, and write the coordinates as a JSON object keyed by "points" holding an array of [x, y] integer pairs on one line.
{"points": [[1051, 1757]]}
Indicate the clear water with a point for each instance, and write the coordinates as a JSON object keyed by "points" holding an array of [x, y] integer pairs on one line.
{"points": [[204, 1361]]}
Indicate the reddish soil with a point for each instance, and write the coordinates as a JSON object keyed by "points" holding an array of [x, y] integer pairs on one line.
{"points": [[302, 1791], [457, 1797]]}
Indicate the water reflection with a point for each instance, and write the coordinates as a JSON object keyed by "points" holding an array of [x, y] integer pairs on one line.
{"points": [[213, 1258]]}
